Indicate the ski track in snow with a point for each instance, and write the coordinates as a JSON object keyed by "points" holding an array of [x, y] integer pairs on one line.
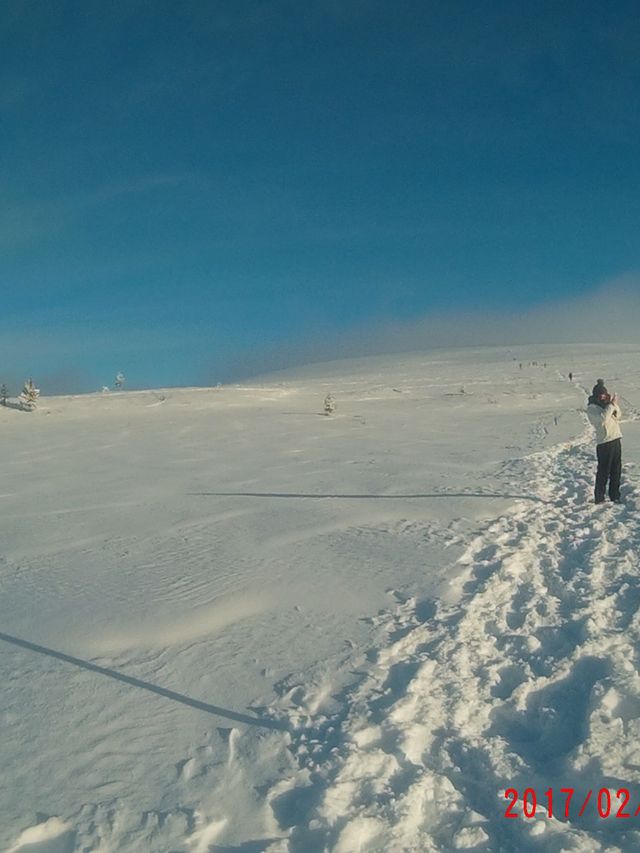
{"points": [[509, 687]]}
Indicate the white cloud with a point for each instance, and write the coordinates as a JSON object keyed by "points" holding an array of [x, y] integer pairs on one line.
{"points": [[73, 350], [610, 314]]}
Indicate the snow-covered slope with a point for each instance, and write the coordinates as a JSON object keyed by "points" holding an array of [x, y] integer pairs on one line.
{"points": [[229, 622]]}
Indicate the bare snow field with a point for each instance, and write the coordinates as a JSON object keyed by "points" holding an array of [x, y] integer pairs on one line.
{"points": [[232, 623]]}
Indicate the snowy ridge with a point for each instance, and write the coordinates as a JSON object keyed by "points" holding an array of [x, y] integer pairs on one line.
{"points": [[231, 624], [507, 688]]}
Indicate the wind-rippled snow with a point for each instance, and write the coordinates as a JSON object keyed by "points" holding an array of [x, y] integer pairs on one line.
{"points": [[230, 622]]}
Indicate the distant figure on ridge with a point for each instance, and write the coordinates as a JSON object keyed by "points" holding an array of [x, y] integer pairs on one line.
{"points": [[570, 376], [604, 413]]}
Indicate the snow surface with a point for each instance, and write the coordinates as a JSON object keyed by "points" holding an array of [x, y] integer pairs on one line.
{"points": [[232, 623]]}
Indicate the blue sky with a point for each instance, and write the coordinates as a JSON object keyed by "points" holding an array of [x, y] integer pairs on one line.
{"points": [[192, 191]]}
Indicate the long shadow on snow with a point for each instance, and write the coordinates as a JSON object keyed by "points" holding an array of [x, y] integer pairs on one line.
{"points": [[247, 847], [144, 685], [375, 497]]}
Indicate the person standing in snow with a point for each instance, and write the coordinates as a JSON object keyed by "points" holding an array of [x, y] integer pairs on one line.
{"points": [[604, 414]]}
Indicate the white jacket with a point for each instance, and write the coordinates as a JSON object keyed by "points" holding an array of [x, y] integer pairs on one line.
{"points": [[606, 421]]}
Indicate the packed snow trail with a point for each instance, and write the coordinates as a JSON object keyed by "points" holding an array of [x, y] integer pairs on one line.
{"points": [[509, 687]]}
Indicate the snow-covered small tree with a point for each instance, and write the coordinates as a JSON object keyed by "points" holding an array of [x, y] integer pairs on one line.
{"points": [[29, 396], [4, 393], [329, 404], [120, 380]]}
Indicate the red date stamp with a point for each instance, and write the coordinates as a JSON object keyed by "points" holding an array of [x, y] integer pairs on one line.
{"points": [[564, 803]]}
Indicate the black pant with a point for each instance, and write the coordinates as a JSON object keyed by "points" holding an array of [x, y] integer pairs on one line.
{"points": [[609, 469]]}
